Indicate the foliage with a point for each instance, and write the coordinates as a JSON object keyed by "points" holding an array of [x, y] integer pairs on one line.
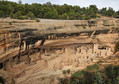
{"points": [[99, 79], [30, 14], [11, 15], [78, 74], [93, 67], [64, 72], [110, 75], [64, 16], [117, 46], [92, 11], [2, 80], [68, 71], [109, 12], [22, 17], [52, 11], [103, 11], [100, 61], [64, 81], [83, 77], [18, 14]]}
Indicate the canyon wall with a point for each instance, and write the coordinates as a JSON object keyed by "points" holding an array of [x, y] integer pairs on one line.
{"points": [[31, 50]]}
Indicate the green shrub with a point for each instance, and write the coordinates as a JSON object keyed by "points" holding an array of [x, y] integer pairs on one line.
{"points": [[11, 15], [117, 46], [17, 14], [93, 67], [64, 72], [68, 71], [100, 61], [110, 75], [2, 80], [99, 78], [32, 18], [110, 71], [63, 81], [87, 17], [75, 81], [98, 17], [89, 77], [30, 14], [22, 17], [64, 16], [78, 74]]}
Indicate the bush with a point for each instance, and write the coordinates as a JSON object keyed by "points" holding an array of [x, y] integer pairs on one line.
{"points": [[2, 80], [117, 46], [30, 14], [68, 71], [64, 16], [63, 81], [93, 67], [98, 16], [78, 74], [83, 77], [89, 77], [99, 79], [110, 72], [100, 61], [22, 17], [11, 15], [87, 17], [18, 14], [64, 72], [110, 75]]}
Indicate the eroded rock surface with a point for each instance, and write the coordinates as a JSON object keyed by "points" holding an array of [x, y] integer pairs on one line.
{"points": [[39, 51]]}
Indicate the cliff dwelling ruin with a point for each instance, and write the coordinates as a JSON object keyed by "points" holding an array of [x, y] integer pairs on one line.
{"points": [[29, 49]]}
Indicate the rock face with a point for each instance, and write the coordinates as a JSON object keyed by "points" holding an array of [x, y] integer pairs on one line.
{"points": [[34, 51], [117, 22], [7, 77], [108, 22]]}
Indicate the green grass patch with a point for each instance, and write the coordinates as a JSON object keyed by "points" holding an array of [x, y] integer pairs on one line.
{"points": [[78, 74], [93, 67], [100, 61]]}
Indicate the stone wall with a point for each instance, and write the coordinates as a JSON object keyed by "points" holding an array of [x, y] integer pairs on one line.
{"points": [[81, 54]]}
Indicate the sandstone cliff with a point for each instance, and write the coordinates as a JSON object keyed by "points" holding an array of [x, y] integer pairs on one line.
{"points": [[34, 51]]}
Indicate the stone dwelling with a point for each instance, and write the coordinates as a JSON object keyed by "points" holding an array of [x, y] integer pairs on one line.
{"points": [[27, 51], [78, 54]]}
